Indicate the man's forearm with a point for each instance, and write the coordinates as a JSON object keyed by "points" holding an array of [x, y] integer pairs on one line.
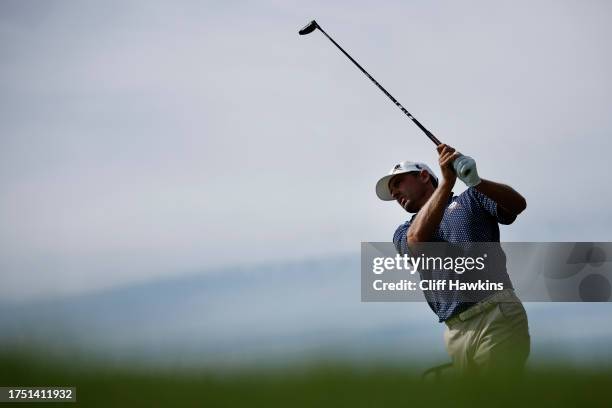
{"points": [[504, 195], [429, 216]]}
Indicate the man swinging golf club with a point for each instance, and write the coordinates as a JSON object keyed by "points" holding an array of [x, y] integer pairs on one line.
{"points": [[491, 332], [483, 336]]}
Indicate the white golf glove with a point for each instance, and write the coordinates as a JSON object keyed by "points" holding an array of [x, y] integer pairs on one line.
{"points": [[465, 167]]}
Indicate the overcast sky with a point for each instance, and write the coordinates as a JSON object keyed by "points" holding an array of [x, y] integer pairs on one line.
{"points": [[146, 139]]}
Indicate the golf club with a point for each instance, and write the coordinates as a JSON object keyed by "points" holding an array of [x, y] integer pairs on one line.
{"points": [[467, 165]]}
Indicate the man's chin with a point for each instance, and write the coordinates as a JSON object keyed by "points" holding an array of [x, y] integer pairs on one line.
{"points": [[408, 208]]}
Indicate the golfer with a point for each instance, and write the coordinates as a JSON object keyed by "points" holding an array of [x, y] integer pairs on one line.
{"points": [[484, 335]]}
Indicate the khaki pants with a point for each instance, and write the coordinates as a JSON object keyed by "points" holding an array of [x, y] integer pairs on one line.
{"points": [[490, 337]]}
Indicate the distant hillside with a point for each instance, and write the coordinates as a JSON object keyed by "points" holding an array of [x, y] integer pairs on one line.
{"points": [[275, 314]]}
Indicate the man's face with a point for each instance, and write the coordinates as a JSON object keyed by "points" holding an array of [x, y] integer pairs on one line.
{"points": [[409, 189]]}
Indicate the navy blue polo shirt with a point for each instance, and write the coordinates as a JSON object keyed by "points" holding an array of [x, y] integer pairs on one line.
{"points": [[469, 217]]}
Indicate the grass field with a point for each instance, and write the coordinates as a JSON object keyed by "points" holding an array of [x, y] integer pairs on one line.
{"points": [[318, 385]]}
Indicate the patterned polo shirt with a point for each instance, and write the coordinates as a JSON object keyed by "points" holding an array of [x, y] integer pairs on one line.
{"points": [[469, 217]]}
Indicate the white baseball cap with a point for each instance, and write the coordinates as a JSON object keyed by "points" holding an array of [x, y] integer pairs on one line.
{"points": [[382, 187]]}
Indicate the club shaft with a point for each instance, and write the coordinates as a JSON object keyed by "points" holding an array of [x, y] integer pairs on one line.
{"points": [[399, 105]]}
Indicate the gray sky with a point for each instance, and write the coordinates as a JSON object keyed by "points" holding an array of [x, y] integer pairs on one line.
{"points": [[144, 139]]}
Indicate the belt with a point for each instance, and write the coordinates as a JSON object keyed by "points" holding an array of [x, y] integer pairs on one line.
{"points": [[483, 306]]}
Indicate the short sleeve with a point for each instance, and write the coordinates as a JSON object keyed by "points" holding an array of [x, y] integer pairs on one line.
{"points": [[400, 238], [489, 206]]}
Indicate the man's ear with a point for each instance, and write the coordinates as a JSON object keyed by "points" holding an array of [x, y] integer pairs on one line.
{"points": [[424, 176]]}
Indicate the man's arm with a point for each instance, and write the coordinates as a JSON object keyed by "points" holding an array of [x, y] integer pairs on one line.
{"points": [[429, 216], [507, 199]]}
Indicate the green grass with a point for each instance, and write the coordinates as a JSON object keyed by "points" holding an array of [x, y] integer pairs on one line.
{"points": [[318, 385]]}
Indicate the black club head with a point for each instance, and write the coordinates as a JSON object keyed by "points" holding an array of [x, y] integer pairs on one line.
{"points": [[309, 28]]}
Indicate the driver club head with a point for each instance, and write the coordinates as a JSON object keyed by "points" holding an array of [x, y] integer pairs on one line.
{"points": [[309, 28]]}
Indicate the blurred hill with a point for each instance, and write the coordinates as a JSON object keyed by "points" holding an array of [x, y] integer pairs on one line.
{"points": [[272, 314]]}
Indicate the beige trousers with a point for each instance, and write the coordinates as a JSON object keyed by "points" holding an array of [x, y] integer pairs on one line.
{"points": [[490, 337]]}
